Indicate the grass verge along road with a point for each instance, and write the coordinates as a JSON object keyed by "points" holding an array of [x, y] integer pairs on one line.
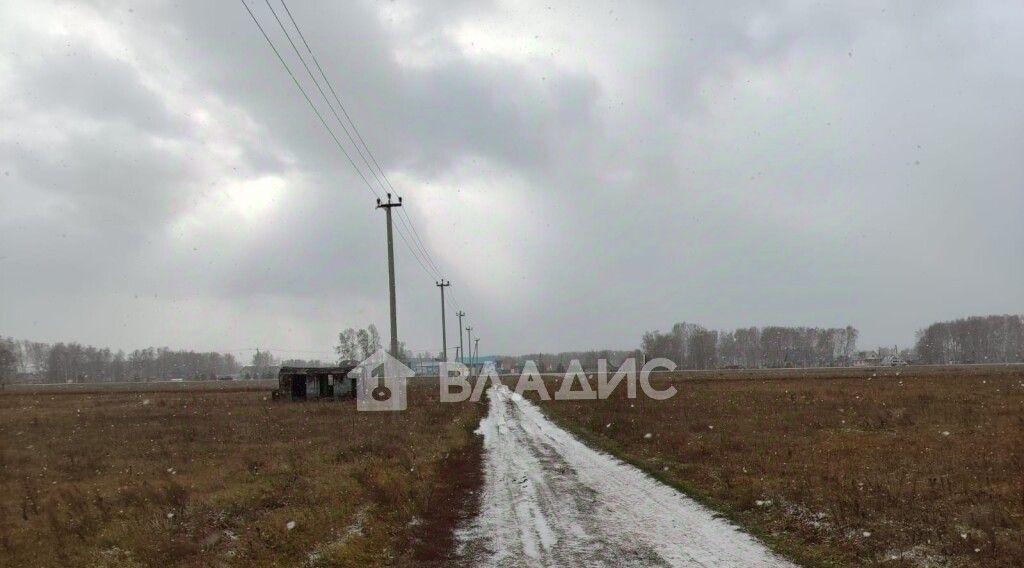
{"points": [[897, 467]]}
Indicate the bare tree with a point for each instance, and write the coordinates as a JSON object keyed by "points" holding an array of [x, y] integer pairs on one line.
{"points": [[375, 341], [261, 362], [980, 339], [9, 361], [702, 351], [363, 340], [358, 344], [348, 348], [695, 347]]}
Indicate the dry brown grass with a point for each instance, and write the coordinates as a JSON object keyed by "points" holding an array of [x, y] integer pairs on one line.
{"points": [[212, 478], [906, 468]]}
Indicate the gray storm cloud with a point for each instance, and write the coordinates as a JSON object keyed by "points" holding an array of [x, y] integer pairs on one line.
{"points": [[581, 173]]}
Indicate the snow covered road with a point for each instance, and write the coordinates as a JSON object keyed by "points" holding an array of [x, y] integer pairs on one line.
{"points": [[549, 500]]}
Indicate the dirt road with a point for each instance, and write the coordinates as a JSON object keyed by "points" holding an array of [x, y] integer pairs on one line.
{"points": [[549, 500]]}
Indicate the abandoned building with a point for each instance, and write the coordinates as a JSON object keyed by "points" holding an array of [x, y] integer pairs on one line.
{"points": [[306, 383]]}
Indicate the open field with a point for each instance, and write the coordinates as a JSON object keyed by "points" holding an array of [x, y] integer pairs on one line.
{"points": [[890, 467], [216, 477]]}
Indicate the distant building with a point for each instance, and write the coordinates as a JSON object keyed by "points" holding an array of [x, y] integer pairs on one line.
{"points": [[304, 383], [483, 363], [428, 367], [425, 366], [884, 357], [867, 359]]}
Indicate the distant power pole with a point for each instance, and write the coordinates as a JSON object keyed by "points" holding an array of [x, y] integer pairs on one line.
{"points": [[469, 340], [391, 270], [476, 354], [444, 331], [460, 354]]}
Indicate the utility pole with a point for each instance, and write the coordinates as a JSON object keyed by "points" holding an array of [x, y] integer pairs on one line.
{"points": [[391, 270], [461, 353], [469, 340], [444, 331], [476, 354]]}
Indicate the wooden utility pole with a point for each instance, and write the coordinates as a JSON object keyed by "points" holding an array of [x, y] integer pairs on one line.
{"points": [[461, 353], [476, 354], [444, 332], [391, 270]]}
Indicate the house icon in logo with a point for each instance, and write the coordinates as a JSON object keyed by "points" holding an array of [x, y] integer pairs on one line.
{"points": [[381, 383]]}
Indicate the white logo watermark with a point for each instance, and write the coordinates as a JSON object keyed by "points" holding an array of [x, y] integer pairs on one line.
{"points": [[388, 390]]}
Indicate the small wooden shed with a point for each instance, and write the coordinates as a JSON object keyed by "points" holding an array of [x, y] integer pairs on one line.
{"points": [[306, 383]]}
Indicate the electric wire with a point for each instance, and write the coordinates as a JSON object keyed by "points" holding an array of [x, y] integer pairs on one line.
{"points": [[412, 250], [419, 252], [402, 214], [308, 100]]}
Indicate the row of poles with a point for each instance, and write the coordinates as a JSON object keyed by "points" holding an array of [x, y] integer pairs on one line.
{"points": [[388, 205], [460, 356]]}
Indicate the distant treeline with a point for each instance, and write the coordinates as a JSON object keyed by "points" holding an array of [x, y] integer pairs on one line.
{"points": [[559, 362], [979, 339], [692, 346], [63, 362]]}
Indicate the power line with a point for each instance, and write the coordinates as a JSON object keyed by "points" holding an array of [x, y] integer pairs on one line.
{"points": [[330, 131], [417, 248], [306, 96], [455, 301], [316, 83], [423, 248], [330, 86], [415, 256]]}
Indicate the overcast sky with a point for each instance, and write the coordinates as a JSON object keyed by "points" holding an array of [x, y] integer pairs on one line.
{"points": [[581, 172]]}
